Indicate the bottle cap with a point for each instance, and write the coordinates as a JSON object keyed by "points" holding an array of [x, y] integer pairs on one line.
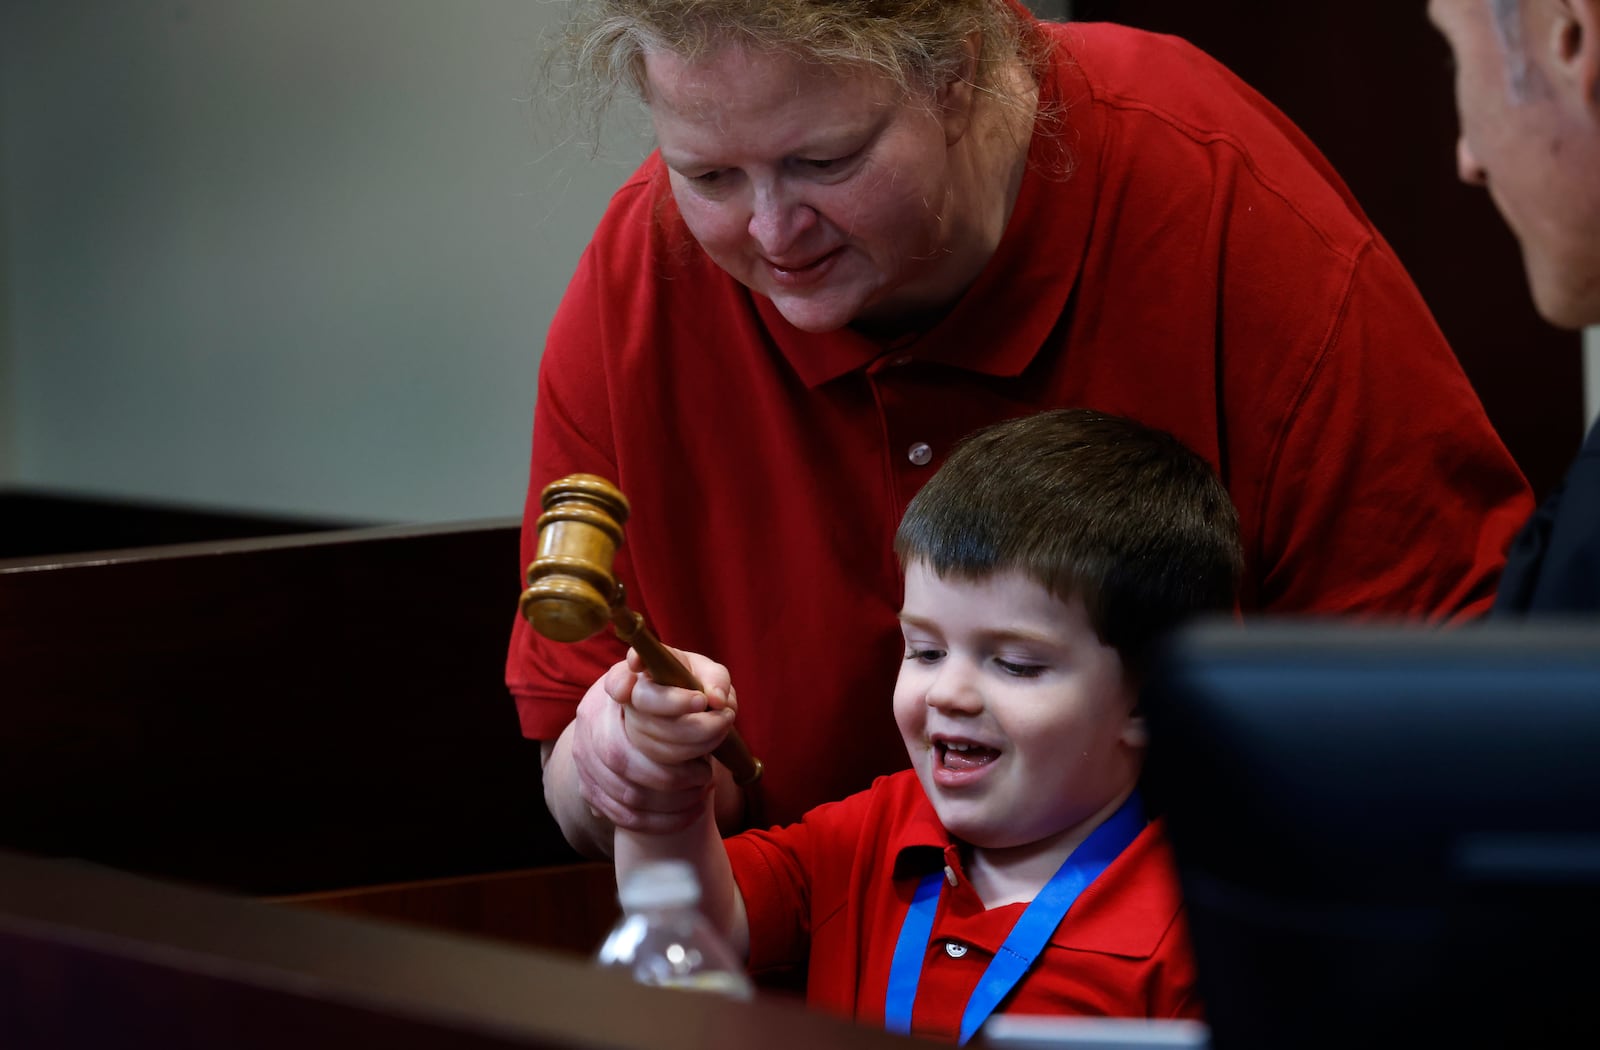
{"points": [[660, 884]]}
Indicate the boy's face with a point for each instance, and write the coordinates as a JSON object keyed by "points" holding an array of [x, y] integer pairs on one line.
{"points": [[1018, 719]]}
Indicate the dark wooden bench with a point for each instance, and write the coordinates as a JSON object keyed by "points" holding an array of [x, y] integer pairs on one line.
{"points": [[40, 523], [313, 717], [93, 958]]}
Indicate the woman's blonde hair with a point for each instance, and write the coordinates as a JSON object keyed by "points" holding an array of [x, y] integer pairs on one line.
{"points": [[918, 44]]}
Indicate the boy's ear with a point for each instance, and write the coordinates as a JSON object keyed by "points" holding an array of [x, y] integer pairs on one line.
{"points": [[1134, 734]]}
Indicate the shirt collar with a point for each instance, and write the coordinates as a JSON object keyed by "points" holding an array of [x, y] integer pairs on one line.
{"points": [[1128, 911], [919, 844]]}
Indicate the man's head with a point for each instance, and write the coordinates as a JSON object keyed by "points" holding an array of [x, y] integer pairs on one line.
{"points": [[1528, 93], [1088, 505]]}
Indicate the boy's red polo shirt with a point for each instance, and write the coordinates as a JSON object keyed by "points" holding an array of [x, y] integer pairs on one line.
{"points": [[831, 892]]}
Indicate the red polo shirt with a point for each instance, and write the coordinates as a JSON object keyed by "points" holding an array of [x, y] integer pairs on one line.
{"points": [[1201, 270], [832, 891]]}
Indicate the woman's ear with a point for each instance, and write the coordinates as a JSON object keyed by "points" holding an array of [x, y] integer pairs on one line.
{"points": [[957, 94]]}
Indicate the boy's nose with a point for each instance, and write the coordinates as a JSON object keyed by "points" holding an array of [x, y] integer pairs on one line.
{"points": [[953, 690]]}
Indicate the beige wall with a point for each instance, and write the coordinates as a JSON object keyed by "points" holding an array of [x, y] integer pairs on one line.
{"points": [[286, 255], [8, 410]]}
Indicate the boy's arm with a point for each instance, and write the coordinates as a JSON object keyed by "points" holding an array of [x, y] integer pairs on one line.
{"points": [[701, 845], [675, 730], [588, 813]]}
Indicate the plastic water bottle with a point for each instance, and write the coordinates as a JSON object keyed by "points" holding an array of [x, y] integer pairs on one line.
{"points": [[663, 939]]}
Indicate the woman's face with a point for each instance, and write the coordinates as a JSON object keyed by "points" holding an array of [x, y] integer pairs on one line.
{"points": [[829, 193]]}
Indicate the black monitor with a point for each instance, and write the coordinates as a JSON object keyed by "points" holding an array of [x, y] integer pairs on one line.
{"points": [[1386, 835]]}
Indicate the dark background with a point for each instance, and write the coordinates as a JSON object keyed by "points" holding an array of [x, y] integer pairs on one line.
{"points": [[1370, 81]]}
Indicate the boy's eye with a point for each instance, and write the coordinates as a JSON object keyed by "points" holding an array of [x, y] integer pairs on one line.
{"points": [[925, 656], [1020, 670]]}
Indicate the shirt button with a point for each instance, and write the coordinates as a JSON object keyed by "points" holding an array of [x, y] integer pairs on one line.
{"points": [[954, 950], [921, 454], [901, 361]]}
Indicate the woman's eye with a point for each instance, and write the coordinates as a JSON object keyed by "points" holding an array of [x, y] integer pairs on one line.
{"points": [[825, 165], [1017, 670], [706, 178]]}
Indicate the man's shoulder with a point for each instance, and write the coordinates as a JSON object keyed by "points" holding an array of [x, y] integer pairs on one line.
{"points": [[1553, 566]]}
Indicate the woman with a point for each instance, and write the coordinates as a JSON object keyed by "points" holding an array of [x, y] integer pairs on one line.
{"points": [[872, 227]]}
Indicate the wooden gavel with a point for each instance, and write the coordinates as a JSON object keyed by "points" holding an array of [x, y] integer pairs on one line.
{"points": [[572, 595]]}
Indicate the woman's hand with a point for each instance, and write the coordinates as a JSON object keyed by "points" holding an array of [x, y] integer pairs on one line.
{"points": [[641, 751]]}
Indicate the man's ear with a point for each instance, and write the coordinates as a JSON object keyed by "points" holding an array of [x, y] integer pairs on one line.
{"points": [[957, 95], [1573, 39]]}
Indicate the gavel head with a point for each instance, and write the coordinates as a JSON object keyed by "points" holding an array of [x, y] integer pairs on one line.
{"points": [[570, 586]]}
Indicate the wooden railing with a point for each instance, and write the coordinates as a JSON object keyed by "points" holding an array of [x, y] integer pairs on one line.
{"points": [[97, 958], [317, 719]]}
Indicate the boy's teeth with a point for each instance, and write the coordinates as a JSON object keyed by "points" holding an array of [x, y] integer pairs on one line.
{"points": [[958, 747]]}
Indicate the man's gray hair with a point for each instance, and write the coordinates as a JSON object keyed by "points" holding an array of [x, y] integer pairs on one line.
{"points": [[1508, 23], [1505, 19]]}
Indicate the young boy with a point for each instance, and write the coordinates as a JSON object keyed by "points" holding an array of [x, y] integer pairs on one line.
{"points": [[1040, 563]]}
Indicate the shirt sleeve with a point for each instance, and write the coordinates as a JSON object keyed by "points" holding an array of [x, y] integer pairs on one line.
{"points": [[571, 434], [1391, 493], [1173, 979], [776, 872]]}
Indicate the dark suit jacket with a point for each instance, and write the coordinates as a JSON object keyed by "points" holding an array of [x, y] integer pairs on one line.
{"points": [[1554, 563]]}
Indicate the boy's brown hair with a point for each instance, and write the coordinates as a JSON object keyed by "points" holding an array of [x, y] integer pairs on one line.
{"points": [[1123, 516]]}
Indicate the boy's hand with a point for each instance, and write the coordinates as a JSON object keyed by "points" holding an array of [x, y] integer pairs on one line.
{"points": [[669, 725], [659, 784]]}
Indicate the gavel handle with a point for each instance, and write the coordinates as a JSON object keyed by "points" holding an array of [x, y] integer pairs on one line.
{"points": [[667, 669]]}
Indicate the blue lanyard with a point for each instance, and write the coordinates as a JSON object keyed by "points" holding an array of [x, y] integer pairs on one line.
{"points": [[1026, 939]]}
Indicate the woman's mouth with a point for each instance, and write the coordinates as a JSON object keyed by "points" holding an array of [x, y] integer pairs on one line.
{"points": [[805, 273]]}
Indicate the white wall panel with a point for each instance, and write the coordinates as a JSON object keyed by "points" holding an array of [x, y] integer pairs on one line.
{"points": [[286, 255]]}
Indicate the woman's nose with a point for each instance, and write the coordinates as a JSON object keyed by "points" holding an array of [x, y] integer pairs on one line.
{"points": [[1467, 166], [778, 221]]}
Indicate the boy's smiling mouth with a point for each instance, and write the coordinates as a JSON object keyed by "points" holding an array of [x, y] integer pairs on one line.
{"points": [[961, 756]]}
